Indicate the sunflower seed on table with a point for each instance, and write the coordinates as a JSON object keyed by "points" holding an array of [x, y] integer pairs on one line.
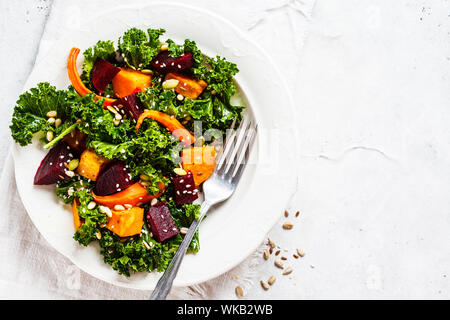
{"points": [[271, 242], [265, 285], [271, 280], [266, 254], [287, 271], [287, 225], [239, 291], [300, 252], [279, 264]]}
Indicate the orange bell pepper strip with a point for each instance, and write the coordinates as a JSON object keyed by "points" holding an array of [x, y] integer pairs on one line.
{"points": [[75, 77], [135, 195], [170, 123]]}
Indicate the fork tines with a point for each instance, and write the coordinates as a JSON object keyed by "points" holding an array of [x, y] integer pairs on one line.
{"points": [[235, 153]]}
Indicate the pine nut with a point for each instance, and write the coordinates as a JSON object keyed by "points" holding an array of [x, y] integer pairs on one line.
{"points": [[51, 120], [91, 205], [170, 84], [164, 46], [52, 114], [70, 173], [119, 207], [154, 201], [105, 210], [128, 206], [98, 234], [184, 230], [180, 97], [58, 122], [49, 136]]}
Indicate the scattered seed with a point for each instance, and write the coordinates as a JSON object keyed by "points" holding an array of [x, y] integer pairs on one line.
{"points": [[58, 122], [184, 230], [154, 201], [144, 183], [170, 84], [49, 136], [279, 264], [147, 71], [266, 254], [164, 46], [119, 207], [295, 256], [239, 292], [112, 109], [98, 234], [283, 258], [288, 226], [271, 243], [287, 271], [51, 120], [91, 205], [180, 97], [105, 210], [145, 245], [270, 250], [116, 122], [52, 114], [265, 285], [286, 213], [271, 280], [128, 206], [70, 173], [297, 213], [144, 177], [180, 171], [277, 252], [73, 164], [235, 276], [300, 252], [117, 117]]}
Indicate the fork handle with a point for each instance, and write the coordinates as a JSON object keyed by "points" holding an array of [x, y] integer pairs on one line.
{"points": [[164, 284]]}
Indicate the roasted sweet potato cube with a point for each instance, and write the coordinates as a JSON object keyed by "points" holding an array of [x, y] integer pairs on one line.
{"points": [[126, 223], [187, 87], [200, 161], [129, 81], [91, 164]]}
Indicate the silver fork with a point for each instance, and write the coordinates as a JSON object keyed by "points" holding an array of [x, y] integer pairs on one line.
{"points": [[231, 162]]}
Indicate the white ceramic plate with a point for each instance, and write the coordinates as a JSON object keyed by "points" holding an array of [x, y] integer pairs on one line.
{"points": [[231, 231]]}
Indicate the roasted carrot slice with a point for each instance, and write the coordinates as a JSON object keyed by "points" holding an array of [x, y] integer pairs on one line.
{"points": [[77, 221], [134, 195], [75, 79], [170, 123]]}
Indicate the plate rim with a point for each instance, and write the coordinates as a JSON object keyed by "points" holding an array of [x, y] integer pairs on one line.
{"points": [[290, 106]]}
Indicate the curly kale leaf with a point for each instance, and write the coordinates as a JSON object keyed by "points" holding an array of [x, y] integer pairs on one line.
{"points": [[68, 189], [135, 256], [139, 48], [102, 49], [29, 116]]}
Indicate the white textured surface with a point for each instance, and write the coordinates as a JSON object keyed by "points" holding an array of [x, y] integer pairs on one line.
{"points": [[372, 91]]}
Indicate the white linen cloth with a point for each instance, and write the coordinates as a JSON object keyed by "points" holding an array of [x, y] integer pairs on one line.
{"points": [[31, 269]]}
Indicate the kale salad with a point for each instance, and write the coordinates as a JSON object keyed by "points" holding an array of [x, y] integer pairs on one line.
{"points": [[127, 145]]}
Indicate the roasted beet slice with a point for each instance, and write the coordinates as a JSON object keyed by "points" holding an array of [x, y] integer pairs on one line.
{"points": [[102, 74], [130, 105], [161, 222], [185, 189], [164, 63], [113, 179], [52, 168]]}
